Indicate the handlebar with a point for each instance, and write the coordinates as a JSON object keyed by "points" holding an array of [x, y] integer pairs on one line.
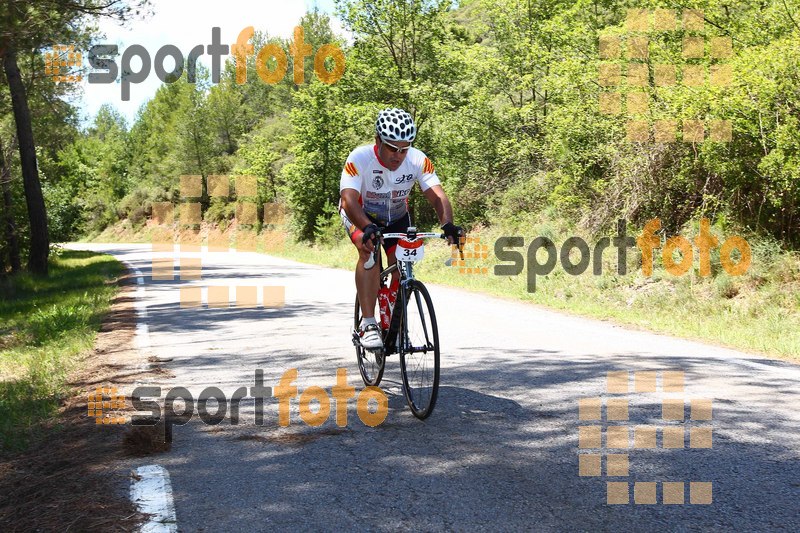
{"points": [[419, 235], [414, 236]]}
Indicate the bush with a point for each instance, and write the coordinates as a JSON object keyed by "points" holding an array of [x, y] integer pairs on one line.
{"points": [[64, 214], [137, 206], [220, 212], [725, 287], [523, 199], [328, 229]]}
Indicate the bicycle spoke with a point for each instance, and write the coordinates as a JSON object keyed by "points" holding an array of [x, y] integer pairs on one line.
{"points": [[422, 314]]}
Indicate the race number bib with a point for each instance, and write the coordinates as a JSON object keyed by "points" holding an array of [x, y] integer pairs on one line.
{"points": [[409, 251]]}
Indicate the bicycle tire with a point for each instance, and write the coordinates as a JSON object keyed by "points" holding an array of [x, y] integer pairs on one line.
{"points": [[419, 351], [370, 364]]}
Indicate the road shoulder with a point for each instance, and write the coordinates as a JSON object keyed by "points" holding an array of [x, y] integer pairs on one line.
{"points": [[75, 477]]}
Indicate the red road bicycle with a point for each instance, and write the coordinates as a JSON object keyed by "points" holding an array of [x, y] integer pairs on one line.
{"points": [[412, 331]]}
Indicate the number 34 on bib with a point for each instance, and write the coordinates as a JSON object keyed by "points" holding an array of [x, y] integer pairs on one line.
{"points": [[409, 251]]}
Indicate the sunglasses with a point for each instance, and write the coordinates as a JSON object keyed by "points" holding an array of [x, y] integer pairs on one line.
{"points": [[394, 149]]}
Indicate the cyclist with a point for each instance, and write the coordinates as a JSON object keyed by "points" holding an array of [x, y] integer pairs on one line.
{"points": [[374, 188]]}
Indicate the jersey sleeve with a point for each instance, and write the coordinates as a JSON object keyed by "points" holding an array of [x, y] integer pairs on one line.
{"points": [[351, 179], [427, 174]]}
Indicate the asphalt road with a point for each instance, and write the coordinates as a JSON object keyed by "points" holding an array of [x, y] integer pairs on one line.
{"points": [[501, 450]]}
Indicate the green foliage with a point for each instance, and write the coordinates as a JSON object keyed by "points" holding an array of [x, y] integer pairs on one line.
{"points": [[505, 94], [325, 129], [220, 212], [263, 154], [329, 230], [90, 179], [45, 325]]}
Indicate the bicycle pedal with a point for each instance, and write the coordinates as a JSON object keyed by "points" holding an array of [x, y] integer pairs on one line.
{"points": [[355, 338]]}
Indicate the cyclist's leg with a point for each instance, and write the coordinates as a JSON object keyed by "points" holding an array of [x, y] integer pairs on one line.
{"points": [[367, 281]]}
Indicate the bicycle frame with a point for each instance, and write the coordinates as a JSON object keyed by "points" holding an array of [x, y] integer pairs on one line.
{"points": [[406, 275], [406, 269]]}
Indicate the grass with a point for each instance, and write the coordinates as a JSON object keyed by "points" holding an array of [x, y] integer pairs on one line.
{"points": [[46, 324], [758, 311]]}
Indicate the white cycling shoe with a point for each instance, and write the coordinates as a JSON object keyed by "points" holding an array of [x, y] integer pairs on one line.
{"points": [[371, 337]]}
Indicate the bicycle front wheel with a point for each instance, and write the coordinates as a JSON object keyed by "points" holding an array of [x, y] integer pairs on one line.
{"points": [[419, 351]]}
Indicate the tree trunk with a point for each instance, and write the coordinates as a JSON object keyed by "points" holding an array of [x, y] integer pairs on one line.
{"points": [[11, 231], [37, 214]]}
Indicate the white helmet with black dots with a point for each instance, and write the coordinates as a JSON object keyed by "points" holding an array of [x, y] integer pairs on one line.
{"points": [[395, 125]]}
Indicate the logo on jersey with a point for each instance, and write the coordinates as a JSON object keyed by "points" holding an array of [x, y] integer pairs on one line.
{"points": [[404, 177], [400, 194], [372, 195], [351, 170], [377, 182], [377, 171], [427, 166]]}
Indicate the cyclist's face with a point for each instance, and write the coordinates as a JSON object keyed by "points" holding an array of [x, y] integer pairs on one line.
{"points": [[391, 157]]}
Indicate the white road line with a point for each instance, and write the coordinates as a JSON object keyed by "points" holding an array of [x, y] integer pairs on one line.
{"points": [[142, 331], [151, 492]]}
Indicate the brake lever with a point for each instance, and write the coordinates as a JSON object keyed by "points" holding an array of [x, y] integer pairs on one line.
{"points": [[460, 246], [374, 257], [370, 262]]}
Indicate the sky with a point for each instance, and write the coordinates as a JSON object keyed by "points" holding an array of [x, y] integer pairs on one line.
{"points": [[185, 24]]}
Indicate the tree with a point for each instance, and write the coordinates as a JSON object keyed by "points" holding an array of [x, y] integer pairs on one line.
{"points": [[194, 131], [10, 227], [263, 153], [32, 25], [226, 112], [91, 177], [324, 131], [40, 244], [395, 49]]}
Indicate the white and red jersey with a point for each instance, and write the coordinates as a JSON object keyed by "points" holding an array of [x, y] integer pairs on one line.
{"points": [[384, 192]]}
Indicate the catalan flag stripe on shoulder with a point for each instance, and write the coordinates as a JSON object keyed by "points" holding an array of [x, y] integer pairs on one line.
{"points": [[427, 166], [351, 170]]}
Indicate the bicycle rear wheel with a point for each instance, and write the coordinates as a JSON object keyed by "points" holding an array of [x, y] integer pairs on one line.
{"points": [[419, 351], [370, 364]]}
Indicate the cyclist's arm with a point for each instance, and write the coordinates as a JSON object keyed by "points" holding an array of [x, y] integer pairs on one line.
{"points": [[353, 209], [438, 199]]}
